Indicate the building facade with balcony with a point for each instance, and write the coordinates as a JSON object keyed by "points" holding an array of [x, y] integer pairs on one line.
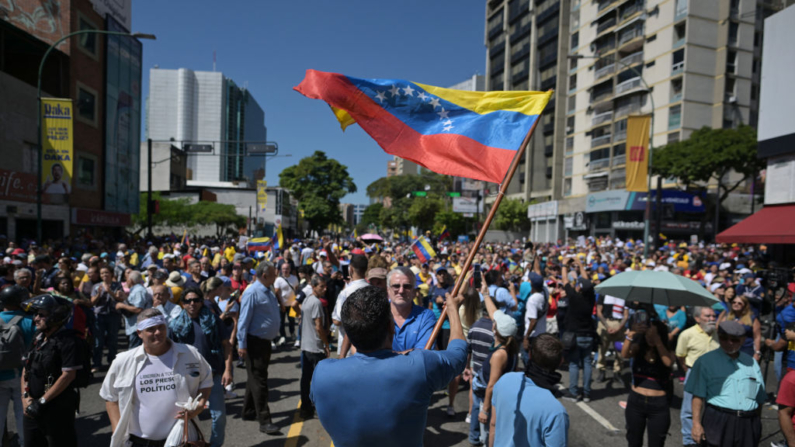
{"points": [[699, 59], [526, 46]]}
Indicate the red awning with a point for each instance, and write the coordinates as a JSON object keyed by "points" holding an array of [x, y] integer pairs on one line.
{"points": [[770, 225]]}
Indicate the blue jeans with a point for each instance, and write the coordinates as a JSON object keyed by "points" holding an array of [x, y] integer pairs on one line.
{"points": [[476, 435], [686, 415], [580, 357], [778, 362], [106, 333], [217, 412]]}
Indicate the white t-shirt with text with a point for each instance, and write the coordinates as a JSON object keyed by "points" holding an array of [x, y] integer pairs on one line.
{"points": [[155, 386]]}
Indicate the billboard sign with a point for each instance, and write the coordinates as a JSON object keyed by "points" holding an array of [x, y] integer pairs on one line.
{"points": [[57, 147], [466, 205], [262, 195]]}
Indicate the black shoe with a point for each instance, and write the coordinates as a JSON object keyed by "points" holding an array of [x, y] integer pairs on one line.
{"points": [[269, 428], [241, 364], [306, 414], [617, 379], [571, 397], [601, 377]]}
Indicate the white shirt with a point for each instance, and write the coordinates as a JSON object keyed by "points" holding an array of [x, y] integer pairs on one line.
{"points": [[154, 385], [336, 314], [169, 310], [618, 306], [192, 373], [536, 306], [286, 287]]}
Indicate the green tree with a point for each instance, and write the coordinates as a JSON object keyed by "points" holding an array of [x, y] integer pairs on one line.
{"points": [[455, 223], [173, 212], [400, 186], [512, 216], [372, 214], [711, 155], [224, 217], [422, 211], [318, 183]]}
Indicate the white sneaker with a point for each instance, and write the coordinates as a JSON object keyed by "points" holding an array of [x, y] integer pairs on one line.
{"points": [[468, 420], [280, 341], [450, 411], [297, 344]]}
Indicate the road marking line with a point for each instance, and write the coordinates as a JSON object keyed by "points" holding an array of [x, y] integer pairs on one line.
{"points": [[598, 417], [295, 428]]}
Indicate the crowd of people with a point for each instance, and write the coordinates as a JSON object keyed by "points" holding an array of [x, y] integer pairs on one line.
{"points": [[363, 315]]}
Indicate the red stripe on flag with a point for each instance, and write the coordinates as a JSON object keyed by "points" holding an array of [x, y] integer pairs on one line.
{"points": [[448, 154], [419, 253]]}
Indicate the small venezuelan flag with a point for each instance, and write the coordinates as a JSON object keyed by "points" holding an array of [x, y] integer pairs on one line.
{"points": [[445, 233], [423, 249], [452, 132], [258, 244]]}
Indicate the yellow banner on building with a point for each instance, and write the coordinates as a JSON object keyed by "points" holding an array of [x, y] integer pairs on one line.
{"points": [[262, 195], [638, 128], [57, 145]]}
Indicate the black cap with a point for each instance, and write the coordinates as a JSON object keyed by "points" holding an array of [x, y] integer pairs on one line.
{"points": [[731, 328]]}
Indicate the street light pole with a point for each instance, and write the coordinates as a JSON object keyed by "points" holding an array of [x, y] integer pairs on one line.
{"points": [[649, 159], [39, 111]]}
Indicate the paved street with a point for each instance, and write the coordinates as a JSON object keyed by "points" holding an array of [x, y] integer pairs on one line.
{"points": [[599, 423]]}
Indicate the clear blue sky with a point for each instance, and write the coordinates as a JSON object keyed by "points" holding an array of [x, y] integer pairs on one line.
{"points": [[270, 44]]}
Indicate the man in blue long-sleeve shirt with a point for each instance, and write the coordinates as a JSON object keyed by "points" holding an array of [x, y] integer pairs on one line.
{"points": [[257, 326]]}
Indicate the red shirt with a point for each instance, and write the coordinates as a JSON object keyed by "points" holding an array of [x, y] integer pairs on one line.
{"points": [[786, 392], [239, 285]]}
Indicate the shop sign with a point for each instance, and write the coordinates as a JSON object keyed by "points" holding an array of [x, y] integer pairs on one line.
{"points": [[99, 218], [545, 210], [631, 225]]}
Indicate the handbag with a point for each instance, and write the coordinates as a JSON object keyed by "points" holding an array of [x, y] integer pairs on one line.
{"points": [[185, 442], [569, 340]]}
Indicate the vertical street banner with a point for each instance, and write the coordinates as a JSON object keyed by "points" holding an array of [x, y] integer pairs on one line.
{"points": [[262, 195], [638, 128], [57, 142]]}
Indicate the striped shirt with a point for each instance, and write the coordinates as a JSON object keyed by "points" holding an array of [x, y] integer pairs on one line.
{"points": [[480, 339]]}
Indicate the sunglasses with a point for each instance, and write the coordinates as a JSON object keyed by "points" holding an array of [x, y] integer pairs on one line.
{"points": [[397, 287], [192, 301]]}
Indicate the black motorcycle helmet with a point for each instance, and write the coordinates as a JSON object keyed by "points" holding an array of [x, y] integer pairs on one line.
{"points": [[58, 309], [13, 296]]}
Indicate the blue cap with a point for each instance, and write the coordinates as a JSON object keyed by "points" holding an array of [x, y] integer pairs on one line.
{"points": [[536, 280], [441, 269]]}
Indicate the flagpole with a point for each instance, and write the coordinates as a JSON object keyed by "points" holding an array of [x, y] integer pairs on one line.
{"points": [[482, 233]]}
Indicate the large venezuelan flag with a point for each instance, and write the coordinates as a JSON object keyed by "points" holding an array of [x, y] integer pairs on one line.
{"points": [[452, 132]]}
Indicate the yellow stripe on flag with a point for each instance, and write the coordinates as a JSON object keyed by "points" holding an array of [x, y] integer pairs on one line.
{"points": [[527, 103]]}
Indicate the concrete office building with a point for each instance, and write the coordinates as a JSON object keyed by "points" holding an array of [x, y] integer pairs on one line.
{"points": [[527, 42], [701, 60], [207, 108]]}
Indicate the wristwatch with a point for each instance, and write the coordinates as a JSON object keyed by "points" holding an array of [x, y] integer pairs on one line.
{"points": [[25, 395], [42, 401]]}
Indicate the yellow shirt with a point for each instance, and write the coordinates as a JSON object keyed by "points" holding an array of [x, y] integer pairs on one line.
{"points": [[230, 253], [694, 342]]}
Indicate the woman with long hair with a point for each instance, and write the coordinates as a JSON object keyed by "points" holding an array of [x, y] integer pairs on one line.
{"points": [[502, 358], [648, 402], [740, 310]]}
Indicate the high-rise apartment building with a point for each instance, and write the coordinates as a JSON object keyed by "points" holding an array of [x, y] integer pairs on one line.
{"points": [[208, 109], [527, 42], [690, 63]]}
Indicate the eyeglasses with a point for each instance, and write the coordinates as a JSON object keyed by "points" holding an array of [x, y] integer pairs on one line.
{"points": [[397, 287], [192, 301]]}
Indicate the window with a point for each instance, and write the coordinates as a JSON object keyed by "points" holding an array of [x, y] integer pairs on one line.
{"points": [[675, 117], [569, 145], [619, 150], [572, 103], [88, 41], [731, 61], [518, 68], [575, 40], [568, 166], [567, 187], [730, 83], [573, 63], [495, 22], [651, 38], [522, 86], [496, 83], [650, 64], [673, 137], [548, 73], [86, 104], [519, 45], [30, 158], [572, 82], [569, 125], [575, 19], [734, 29], [86, 172]]}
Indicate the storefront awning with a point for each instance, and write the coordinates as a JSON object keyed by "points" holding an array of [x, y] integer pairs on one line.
{"points": [[770, 225]]}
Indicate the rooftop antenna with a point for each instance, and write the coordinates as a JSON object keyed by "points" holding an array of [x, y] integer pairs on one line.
{"points": [[213, 60]]}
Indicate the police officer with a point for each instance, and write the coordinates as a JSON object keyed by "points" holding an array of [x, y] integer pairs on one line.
{"points": [[49, 394]]}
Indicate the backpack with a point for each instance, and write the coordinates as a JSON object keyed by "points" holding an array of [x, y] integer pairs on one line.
{"points": [[12, 344]]}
